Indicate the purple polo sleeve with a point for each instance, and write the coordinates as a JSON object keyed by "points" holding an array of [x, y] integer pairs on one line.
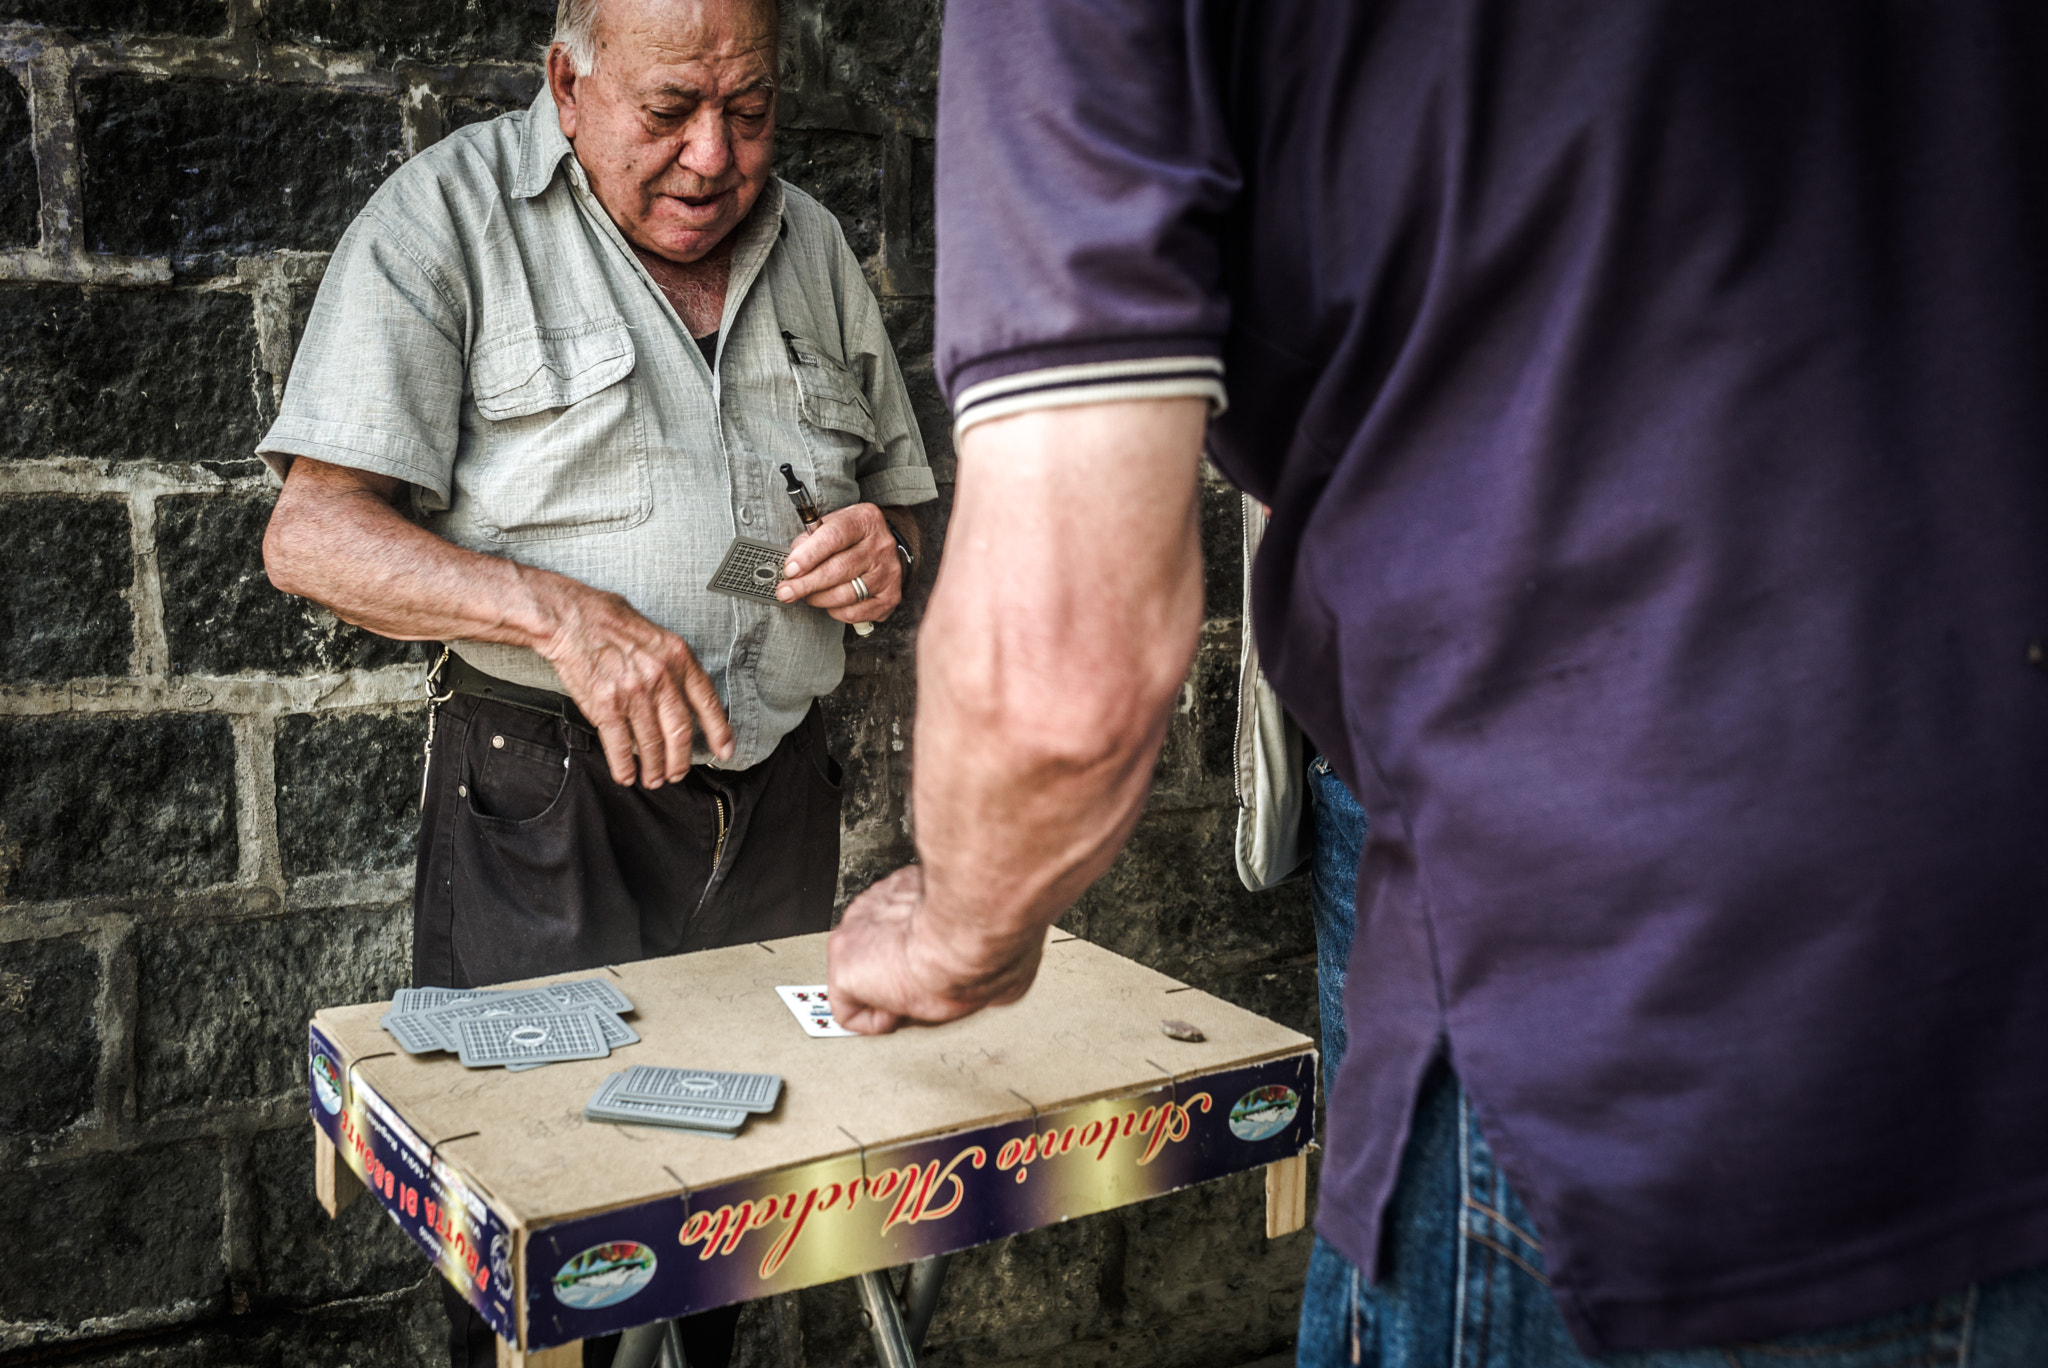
{"points": [[1084, 169]]}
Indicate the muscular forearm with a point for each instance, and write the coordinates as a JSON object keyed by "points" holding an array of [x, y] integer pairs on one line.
{"points": [[1058, 635], [1056, 642]]}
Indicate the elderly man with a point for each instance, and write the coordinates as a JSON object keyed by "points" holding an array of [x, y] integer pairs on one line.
{"points": [[1650, 402], [554, 369]]}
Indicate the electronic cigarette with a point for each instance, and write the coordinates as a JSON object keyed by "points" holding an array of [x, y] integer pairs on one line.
{"points": [[801, 497], [808, 511]]}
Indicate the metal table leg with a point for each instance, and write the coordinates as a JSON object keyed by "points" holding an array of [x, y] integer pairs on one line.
{"points": [[885, 1321], [898, 1326], [921, 1297], [656, 1345], [641, 1346]]}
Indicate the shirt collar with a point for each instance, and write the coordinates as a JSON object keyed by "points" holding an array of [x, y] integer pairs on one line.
{"points": [[546, 148]]}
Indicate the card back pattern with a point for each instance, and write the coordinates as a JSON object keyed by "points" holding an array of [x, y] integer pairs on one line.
{"points": [[751, 569], [494, 1040], [752, 1092], [611, 1103], [602, 994]]}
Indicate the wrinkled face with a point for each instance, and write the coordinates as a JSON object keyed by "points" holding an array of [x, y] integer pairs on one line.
{"points": [[675, 122]]}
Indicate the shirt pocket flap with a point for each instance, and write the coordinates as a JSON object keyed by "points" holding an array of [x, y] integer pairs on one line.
{"points": [[548, 368], [831, 394]]}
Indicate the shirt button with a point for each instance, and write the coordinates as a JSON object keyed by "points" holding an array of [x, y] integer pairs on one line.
{"points": [[746, 515], [498, 742]]}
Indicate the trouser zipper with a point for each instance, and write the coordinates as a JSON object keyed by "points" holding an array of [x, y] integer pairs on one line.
{"points": [[717, 851]]}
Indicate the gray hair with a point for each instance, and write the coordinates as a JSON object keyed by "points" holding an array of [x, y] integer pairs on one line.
{"points": [[576, 29]]}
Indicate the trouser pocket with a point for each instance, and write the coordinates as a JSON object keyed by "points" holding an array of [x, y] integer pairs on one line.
{"points": [[529, 889], [516, 780], [810, 738]]}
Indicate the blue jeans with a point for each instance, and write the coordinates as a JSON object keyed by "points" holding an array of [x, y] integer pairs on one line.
{"points": [[1333, 897], [1464, 1287]]}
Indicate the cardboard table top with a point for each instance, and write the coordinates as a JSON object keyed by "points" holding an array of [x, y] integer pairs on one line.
{"points": [[1089, 1028]]}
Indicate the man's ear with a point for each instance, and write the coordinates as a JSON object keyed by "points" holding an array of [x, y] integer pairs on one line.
{"points": [[562, 80]]}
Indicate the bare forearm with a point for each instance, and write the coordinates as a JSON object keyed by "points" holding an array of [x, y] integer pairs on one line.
{"points": [[1059, 634], [343, 546], [1061, 626], [334, 537]]}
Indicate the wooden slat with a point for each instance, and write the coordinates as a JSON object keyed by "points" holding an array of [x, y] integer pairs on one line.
{"points": [[1286, 1196], [334, 1182], [561, 1356]]}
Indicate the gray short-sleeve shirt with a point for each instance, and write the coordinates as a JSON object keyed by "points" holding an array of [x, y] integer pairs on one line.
{"points": [[485, 334]]}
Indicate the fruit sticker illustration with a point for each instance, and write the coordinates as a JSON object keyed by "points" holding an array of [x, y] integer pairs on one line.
{"points": [[1264, 1112], [327, 1083], [604, 1275]]}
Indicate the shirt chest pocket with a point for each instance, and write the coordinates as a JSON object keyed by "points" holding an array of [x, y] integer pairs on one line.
{"points": [[559, 447], [838, 425]]}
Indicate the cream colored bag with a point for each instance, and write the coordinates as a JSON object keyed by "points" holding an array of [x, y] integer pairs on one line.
{"points": [[1272, 790]]}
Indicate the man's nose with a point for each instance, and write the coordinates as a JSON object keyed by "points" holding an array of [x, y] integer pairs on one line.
{"points": [[707, 145]]}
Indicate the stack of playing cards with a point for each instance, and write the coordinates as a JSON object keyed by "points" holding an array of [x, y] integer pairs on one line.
{"points": [[516, 1028], [703, 1101]]}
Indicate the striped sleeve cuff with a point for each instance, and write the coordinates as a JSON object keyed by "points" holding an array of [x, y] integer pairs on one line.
{"points": [[1094, 382]]}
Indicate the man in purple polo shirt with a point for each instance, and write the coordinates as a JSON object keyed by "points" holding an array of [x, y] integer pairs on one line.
{"points": [[1653, 404]]}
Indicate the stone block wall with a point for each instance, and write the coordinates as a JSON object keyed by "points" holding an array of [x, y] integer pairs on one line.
{"points": [[207, 788]]}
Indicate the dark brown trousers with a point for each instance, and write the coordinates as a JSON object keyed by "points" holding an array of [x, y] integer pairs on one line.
{"points": [[532, 861]]}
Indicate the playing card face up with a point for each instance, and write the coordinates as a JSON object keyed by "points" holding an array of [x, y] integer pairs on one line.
{"points": [[812, 1009]]}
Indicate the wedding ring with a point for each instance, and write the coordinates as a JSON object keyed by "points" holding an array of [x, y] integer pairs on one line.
{"points": [[860, 590]]}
